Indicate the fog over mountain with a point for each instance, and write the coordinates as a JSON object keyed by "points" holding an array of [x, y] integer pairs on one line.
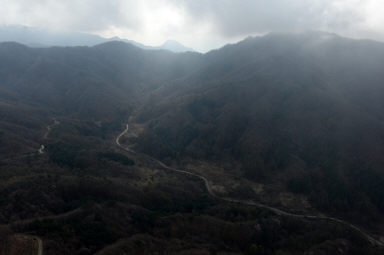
{"points": [[37, 37], [267, 139], [201, 24], [284, 132]]}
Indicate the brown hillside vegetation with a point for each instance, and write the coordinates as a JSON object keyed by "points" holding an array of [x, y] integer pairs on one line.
{"points": [[290, 121]]}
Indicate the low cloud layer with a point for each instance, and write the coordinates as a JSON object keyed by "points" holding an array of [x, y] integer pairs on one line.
{"points": [[202, 24]]}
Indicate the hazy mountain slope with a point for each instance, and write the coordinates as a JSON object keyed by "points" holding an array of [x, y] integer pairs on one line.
{"points": [[283, 114], [175, 46], [97, 82], [35, 37], [304, 110], [101, 83]]}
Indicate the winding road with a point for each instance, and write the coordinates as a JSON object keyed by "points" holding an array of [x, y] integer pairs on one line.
{"points": [[41, 151], [117, 141], [45, 136], [277, 211], [22, 223]]}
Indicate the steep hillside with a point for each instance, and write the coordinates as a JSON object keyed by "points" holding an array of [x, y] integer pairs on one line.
{"points": [[257, 135], [97, 82], [101, 84], [301, 110]]}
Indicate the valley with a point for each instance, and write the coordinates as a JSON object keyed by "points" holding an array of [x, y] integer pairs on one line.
{"points": [[277, 211], [272, 145]]}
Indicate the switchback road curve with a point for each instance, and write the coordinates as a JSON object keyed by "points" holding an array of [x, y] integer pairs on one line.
{"points": [[277, 211]]}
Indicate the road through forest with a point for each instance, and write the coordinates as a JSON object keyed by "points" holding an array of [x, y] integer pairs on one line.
{"points": [[277, 211], [41, 151], [39, 245]]}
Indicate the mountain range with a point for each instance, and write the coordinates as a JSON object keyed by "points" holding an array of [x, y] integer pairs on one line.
{"points": [[38, 37], [293, 121]]}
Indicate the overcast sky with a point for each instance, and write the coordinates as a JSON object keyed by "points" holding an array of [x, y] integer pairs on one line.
{"points": [[201, 24]]}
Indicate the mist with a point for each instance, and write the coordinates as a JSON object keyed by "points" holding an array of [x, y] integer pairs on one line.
{"points": [[201, 24]]}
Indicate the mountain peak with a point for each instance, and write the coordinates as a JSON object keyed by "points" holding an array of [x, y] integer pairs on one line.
{"points": [[37, 37], [175, 46]]}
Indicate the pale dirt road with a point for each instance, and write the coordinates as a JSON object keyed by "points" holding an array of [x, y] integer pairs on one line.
{"points": [[41, 150], [277, 211], [39, 245], [39, 241]]}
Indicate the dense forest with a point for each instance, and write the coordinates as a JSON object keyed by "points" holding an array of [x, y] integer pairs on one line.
{"points": [[292, 121]]}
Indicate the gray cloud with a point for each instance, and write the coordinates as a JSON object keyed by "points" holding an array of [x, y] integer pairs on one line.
{"points": [[243, 17], [80, 15], [200, 23]]}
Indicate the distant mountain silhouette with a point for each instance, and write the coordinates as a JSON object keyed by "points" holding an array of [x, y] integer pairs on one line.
{"points": [[35, 37], [175, 46]]}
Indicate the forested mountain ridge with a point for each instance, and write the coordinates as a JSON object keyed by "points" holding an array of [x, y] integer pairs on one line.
{"points": [[290, 120], [77, 80], [100, 83], [303, 109]]}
